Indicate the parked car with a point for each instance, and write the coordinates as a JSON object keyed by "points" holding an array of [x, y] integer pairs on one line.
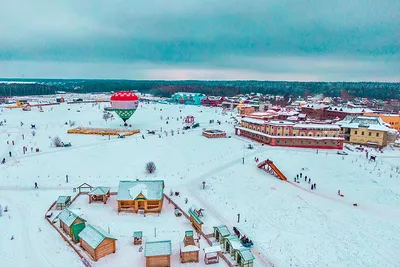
{"points": [[121, 135], [342, 153], [196, 125]]}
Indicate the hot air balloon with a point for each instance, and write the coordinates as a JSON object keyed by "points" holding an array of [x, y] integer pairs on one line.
{"points": [[124, 104]]}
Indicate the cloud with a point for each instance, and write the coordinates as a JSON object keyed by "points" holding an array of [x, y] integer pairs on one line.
{"points": [[228, 35]]}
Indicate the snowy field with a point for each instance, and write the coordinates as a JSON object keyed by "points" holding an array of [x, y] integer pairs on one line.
{"points": [[289, 224]]}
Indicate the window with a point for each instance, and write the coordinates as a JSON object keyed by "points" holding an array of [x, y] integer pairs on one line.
{"points": [[309, 142], [294, 134], [279, 141], [302, 134], [377, 134], [362, 133], [279, 134], [318, 135], [325, 143], [369, 134], [355, 132]]}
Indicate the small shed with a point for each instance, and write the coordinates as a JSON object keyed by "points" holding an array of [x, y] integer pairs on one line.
{"points": [[211, 254], [220, 232], [71, 224], [195, 220], [63, 202], [140, 195], [244, 257], [96, 242], [137, 237], [158, 253], [99, 193], [231, 243], [189, 250]]}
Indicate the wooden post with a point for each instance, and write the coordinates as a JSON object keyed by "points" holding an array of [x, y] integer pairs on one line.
{"points": [[238, 217]]}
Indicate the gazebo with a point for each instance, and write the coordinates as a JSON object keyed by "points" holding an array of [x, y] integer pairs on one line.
{"points": [[99, 193], [211, 254], [63, 202]]}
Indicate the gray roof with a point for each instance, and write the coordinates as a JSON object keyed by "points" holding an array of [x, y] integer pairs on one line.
{"points": [[223, 230], [246, 253], [94, 235], [158, 248], [99, 190], [68, 217], [150, 189]]}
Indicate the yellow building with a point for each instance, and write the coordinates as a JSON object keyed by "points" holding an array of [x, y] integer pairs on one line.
{"points": [[392, 119], [365, 130]]}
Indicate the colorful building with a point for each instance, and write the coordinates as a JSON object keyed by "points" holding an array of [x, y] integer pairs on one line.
{"points": [[290, 134], [364, 130], [392, 119], [188, 98], [213, 101]]}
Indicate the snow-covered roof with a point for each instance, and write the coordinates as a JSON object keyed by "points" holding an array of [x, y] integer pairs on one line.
{"points": [[372, 123], [68, 217], [213, 249], [279, 123], [63, 199], [255, 121], [246, 254], [223, 230], [359, 110], [150, 189], [189, 248], [99, 190], [302, 115], [317, 126], [158, 248], [321, 138], [94, 235]]}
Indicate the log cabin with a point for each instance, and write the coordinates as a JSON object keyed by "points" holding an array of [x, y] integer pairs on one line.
{"points": [[96, 242], [158, 253], [99, 193], [195, 220], [71, 224], [140, 195]]}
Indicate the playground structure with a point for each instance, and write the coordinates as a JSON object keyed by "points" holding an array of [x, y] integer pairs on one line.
{"points": [[102, 131], [214, 134], [269, 167]]}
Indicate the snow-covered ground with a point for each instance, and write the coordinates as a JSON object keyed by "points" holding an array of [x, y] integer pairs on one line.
{"points": [[289, 224]]}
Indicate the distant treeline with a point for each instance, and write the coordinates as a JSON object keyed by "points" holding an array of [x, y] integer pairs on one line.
{"points": [[227, 88]]}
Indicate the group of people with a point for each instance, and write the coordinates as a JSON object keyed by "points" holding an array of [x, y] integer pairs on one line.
{"points": [[300, 176]]}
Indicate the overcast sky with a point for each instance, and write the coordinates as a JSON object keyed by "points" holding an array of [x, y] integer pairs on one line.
{"points": [[318, 40]]}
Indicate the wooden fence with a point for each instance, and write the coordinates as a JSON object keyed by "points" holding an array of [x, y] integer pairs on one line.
{"points": [[84, 260], [206, 237]]}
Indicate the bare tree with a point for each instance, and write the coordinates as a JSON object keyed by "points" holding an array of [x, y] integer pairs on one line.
{"points": [[150, 167], [57, 141]]}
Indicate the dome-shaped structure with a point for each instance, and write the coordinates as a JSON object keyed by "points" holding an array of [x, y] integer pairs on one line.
{"points": [[124, 104]]}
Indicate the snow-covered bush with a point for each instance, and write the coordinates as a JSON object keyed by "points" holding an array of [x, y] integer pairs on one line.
{"points": [[150, 167]]}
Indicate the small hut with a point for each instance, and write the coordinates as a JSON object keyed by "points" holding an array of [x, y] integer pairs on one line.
{"points": [[71, 224], [189, 250], [63, 202], [211, 254], [195, 220], [244, 257], [140, 195], [214, 134], [230, 243], [99, 193], [96, 242], [220, 232], [158, 253], [85, 188], [137, 237]]}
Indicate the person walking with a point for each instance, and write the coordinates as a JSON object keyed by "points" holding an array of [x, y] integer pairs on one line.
{"points": [[10, 153], [36, 185], [309, 180], [315, 186], [305, 178], [312, 186], [338, 192]]}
